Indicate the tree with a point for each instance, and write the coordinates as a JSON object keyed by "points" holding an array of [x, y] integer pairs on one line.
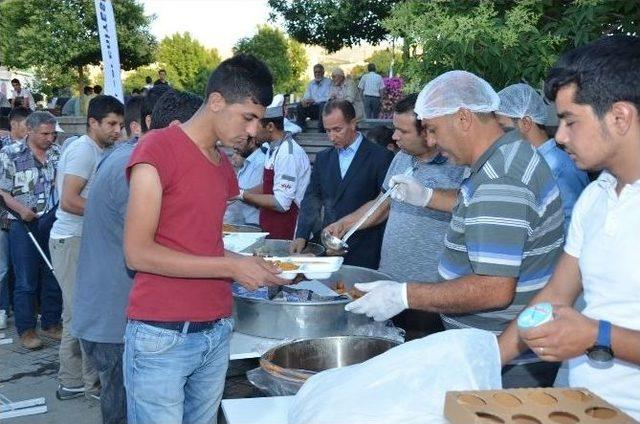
{"points": [[189, 61], [334, 24], [285, 58], [137, 77], [504, 42], [63, 35]]}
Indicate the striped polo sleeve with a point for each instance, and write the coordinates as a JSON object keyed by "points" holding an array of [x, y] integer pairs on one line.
{"points": [[496, 226]]}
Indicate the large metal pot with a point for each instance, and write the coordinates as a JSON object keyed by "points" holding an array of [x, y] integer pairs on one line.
{"points": [[274, 247], [287, 367], [278, 320]]}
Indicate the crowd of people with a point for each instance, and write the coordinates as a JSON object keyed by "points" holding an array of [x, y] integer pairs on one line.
{"points": [[488, 212]]}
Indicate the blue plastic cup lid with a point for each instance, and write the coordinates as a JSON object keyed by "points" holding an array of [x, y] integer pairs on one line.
{"points": [[535, 315]]}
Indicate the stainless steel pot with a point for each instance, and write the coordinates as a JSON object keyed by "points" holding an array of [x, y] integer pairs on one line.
{"points": [[278, 320], [274, 247], [287, 367]]}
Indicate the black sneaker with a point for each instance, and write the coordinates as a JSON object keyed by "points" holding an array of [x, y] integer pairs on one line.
{"points": [[65, 393]]}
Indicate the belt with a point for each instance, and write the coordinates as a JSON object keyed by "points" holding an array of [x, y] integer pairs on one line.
{"points": [[183, 326]]}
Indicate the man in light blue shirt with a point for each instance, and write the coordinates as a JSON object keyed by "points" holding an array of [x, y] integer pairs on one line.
{"points": [[522, 108], [346, 154], [314, 98], [249, 176]]}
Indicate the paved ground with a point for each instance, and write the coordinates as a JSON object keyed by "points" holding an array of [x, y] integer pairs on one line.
{"points": [[28, 374]]}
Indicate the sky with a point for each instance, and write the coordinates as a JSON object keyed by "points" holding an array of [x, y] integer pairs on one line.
{"points": [[215, 23]]}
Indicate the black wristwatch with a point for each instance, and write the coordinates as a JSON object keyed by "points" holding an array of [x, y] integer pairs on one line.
{"points": [[601, 353]]}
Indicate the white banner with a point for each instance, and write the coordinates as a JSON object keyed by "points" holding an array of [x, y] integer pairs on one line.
{"points": [[109, 45]]}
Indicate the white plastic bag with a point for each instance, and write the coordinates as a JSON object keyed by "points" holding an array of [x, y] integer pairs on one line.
{"points": [[405, 385]]}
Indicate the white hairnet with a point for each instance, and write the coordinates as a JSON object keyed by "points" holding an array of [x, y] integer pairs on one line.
{"points": [[520, 100], [453, 90]]}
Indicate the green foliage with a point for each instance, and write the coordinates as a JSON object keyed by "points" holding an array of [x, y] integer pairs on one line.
{"points": [[504, 42], [382, 59], [285, 58], [190, 62], [333, 24], [136, 78], [59, 37]]}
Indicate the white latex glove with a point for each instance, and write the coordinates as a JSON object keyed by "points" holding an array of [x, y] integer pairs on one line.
{"points": [[410, 190], [384, 299]]}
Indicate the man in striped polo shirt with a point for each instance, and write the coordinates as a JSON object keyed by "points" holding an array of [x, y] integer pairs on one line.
{"points": [[506, 230]]}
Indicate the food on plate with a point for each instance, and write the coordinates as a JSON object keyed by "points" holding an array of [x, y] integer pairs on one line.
{"points": [[340, 288], [355, 293], [286, 266], [228, 228]]}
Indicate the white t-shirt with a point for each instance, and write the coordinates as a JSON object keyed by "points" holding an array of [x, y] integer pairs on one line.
{"points": [[371, 84], [604, 235], [292, 171], [26, 94], [80, 158]]}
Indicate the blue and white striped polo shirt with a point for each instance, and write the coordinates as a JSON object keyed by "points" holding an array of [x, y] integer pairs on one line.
{"points": [[508, 222]]}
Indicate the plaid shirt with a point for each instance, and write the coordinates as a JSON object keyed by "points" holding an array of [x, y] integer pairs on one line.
{"points": [[30, 182], [6, 140]]}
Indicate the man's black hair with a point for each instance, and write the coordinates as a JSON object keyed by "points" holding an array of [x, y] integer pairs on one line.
{"points": [[407, 105], [345, 106], [382, 135], [604, 72], [277, 122], [132, 113], [101, 106], [162, 70], [174, 105], [87, 89], [19, 113], [135, 91], [371, 67], [15, 81], [240, 78], [148, 79], [150, 100], [97, 89]]}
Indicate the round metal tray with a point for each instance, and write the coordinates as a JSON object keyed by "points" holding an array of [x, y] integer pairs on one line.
{"points": [[278, 320]]}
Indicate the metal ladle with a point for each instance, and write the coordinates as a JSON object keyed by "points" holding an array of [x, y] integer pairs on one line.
{"points": [[334, 243]]}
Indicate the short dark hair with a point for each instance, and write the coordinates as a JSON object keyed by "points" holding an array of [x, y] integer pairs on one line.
{"points": [[135, 91], [87, 89], [148, 79], [19, 114], [407, 105], [319, 66], [345, 106], [132, 113], [604, 72], [242, 77], [174, 105], [15, 80], [162, 70], [101, 105], [277, 122], [150, 100], [371, 67], [97, 89], [381, 134]]}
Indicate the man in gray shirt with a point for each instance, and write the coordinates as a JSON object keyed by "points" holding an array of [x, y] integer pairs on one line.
{"points": [[414, 237], [76, 169], [103, 280]]}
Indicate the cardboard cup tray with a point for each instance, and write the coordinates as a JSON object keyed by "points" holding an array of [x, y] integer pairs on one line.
{"points": [[531, 406]]}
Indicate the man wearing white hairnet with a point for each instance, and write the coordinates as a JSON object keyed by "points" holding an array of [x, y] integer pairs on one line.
{"points": [[522, 108], [506, 230]]}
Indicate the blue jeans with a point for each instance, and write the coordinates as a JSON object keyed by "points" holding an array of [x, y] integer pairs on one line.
{"points": [[33, 276], [174, 377], [106, 358], [4, 270]]}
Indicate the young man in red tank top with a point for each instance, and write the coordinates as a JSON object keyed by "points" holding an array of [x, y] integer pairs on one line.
{"points": [[177, 337]]}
